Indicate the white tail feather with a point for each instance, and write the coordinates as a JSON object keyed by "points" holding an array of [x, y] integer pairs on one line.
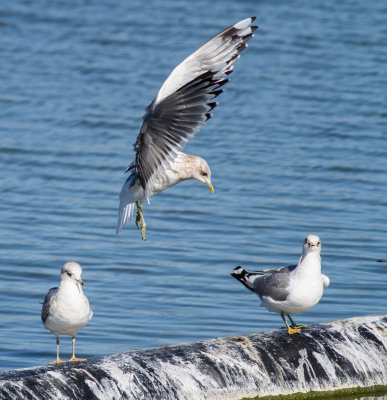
{"points": [[127, 199], [125, 215]]}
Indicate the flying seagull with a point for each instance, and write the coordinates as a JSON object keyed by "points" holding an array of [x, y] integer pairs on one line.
{"points": [[65, 308], [182, 106], [289, 290]]}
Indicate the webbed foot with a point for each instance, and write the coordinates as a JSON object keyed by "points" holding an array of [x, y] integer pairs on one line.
{"points": [[57, 361], [74, 359], [292, 331]]}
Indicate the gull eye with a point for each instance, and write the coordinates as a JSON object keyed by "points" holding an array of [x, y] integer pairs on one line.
{"points": [[204, 173], [68, 273], [318, 243], [306, 241]]}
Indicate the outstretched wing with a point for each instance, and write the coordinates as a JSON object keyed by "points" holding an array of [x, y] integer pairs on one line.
{"points": [[185, 100]]}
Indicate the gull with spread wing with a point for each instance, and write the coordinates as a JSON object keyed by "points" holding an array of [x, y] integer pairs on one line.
{"points": [[181, 107], [289, 290]]}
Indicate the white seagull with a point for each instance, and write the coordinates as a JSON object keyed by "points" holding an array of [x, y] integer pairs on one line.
{"points": [[289, 290], [182, 106], [66, 309]]}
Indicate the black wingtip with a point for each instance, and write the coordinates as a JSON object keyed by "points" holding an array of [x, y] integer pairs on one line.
{"points": [[224, 81], [247, 37], [216, 93], [212, 105], [240, 275], [236, 55], [239, 49], [238, 271]]}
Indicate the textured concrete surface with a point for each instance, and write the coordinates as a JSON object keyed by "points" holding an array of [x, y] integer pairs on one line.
{"points": [[341, 354]]}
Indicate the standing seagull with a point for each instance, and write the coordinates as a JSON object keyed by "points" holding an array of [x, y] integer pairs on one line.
{"points": [[66, 309], [181, 107], [289, 290]]}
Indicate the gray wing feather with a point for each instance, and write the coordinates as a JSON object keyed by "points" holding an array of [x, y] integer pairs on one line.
{"points": [[174, 117], [47, 303], [279, 270], [273, 283], [168, 126]]}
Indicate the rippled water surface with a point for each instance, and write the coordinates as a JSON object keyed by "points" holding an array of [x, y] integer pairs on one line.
{"points": [[297, 145]]}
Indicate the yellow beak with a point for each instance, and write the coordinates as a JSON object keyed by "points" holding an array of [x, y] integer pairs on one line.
{"points": [[210, 187], [311, 245], [81, 282]]}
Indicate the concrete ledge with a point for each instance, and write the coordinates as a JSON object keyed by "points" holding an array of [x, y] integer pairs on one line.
{"points": [[342, 354]]}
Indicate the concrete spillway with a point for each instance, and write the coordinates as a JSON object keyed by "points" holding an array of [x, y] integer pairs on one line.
{"points": [[342, 354]]}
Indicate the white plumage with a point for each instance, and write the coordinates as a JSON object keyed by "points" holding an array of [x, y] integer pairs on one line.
{"points": [[66, 309], [289, 290], [181, 107]]}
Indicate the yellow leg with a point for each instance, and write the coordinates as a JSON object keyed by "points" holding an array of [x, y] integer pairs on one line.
{"points": [[73, 358], [139, 209], [294, 325], [58, 360], [291, 331], [139, 218]]}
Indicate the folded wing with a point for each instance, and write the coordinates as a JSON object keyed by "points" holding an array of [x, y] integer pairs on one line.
{"points": [[47, 303]]}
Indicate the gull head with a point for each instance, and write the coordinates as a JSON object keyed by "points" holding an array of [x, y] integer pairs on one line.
{"points": [[312, 244], [72, 271], [201, 172]]}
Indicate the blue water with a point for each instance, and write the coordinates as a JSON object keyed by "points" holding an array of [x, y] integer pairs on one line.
{"points": [[297, 145]]}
